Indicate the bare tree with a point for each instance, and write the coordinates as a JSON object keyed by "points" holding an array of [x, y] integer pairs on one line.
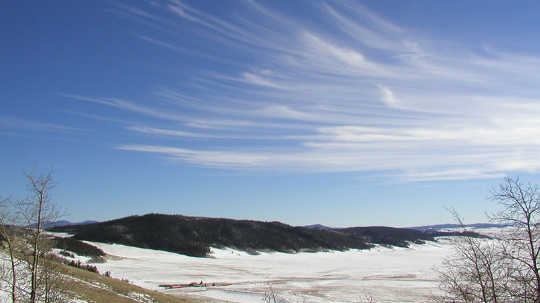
{"points": [[521, 209], [40, 189], [13, 246], [476, 272], [31, 276], [505, 268]]}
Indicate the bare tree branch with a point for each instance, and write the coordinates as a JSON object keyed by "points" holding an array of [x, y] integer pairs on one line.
{"points": [[504, 269]]}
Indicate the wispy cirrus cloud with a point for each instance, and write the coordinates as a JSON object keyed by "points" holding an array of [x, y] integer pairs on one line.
{"points": [[15, 123], [358, 94], [129, 106]]}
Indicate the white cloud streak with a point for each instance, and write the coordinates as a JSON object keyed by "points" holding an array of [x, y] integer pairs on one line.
{"points": [[15, 123], [362, 95]]}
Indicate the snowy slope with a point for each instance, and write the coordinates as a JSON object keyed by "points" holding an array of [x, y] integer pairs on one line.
{"points": [[386, 274]]}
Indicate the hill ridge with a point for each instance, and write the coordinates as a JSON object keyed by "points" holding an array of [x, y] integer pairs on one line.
{"points": [[194, 236]]}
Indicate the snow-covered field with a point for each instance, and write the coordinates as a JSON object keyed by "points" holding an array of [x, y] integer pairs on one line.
{"points": [[385, 274]]}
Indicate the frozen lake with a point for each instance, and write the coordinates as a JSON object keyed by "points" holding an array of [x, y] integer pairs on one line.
{"points": [[385, 274]]}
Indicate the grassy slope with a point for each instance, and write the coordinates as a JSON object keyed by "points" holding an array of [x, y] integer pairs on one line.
{"points": [[92, 287]]}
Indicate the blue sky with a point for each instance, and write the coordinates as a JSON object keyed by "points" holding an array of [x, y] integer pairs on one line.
{"points": [[335, 112]]}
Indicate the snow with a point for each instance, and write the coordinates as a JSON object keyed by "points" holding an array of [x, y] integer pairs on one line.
{"points": [[4, 295], [23, 273], [58, 234], [385, 274], [83, 259]]}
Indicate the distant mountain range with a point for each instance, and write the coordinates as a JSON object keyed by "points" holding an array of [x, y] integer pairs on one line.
{"points": [[435, 227], [449, 226], [51, 224], [318, 226], [195, 235]]}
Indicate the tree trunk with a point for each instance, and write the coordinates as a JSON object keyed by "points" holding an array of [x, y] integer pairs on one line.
{"points": [[13, 270], [35, 260]]}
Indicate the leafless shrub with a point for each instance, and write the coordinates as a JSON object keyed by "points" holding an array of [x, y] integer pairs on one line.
{"points": [[271, 296], [31, 276], [504, 269]]}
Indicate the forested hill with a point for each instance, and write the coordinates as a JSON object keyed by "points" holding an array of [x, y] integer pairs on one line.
{"points": [[399, 236], [195, 235]]}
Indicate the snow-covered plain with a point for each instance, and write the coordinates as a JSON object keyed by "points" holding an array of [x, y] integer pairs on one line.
{"points": [[384, 274]]}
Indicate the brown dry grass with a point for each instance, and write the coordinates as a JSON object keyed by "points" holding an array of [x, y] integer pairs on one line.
{"points": [[92, 287]]}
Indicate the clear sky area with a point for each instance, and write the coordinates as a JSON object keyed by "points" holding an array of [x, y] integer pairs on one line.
{"points": [[343, 113]]}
